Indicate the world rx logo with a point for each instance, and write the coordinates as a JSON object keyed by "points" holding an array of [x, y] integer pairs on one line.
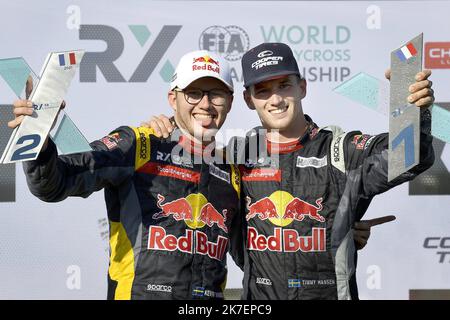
{"points": [[105, 60], [442, 244]]}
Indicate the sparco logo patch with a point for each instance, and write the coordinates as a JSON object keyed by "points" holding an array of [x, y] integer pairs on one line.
{"points": [[336, 149], [264, 281], [192, 243], [159, 287], [143, 151]]}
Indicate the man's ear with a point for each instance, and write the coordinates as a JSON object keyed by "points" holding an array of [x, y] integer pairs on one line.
{"points": [[302, 84], [230, 105], [248, 99], [172, 97]]}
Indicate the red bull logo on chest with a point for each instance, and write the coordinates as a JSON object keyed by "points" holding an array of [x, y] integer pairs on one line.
{"points": [[281, 209], [196, 212]]}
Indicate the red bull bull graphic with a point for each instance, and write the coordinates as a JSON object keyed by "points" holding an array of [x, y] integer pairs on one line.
{"points": [[298, 209], [287, 240], [281, 208], [210, 216], [193, 242], [264, 209], [199, 60], [206, 59], [179, 209], [194, 210]]}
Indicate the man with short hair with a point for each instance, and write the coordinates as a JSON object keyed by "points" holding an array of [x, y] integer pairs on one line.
{"points": [[170, 217], [322, 183]]}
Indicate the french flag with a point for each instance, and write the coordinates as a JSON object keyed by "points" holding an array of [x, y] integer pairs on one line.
{"points": [[62, 59], [406, 52]]}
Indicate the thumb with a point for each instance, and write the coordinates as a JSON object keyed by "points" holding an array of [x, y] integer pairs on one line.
{"points": [[387, 74]]}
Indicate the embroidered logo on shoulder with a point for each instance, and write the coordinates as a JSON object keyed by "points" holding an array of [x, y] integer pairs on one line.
{"points": [[218, 173], [311, 162], [369, 142], [360, 140], [181, 161], [111, 141]]}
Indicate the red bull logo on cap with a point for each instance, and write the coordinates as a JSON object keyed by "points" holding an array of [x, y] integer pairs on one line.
{"points": [[205, 63]]}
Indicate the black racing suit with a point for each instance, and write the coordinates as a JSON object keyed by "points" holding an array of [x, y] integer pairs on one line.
{"points": [[300, 209], [169, 214]]}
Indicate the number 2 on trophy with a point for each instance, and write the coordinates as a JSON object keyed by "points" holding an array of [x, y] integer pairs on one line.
{"points": [[19, 153]]}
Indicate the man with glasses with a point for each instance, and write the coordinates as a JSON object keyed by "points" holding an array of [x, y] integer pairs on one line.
{"points": [[171, 212]]}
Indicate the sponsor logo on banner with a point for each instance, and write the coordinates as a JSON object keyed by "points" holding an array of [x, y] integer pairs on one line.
{"points": [[435, 180], [441, 245], [107, 61], [437, 55], [323, 52], [231, 42], [311, 162]]}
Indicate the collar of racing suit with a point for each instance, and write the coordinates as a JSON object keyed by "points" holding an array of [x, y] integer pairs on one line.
{"points": [[287, 147], [194, 147]]}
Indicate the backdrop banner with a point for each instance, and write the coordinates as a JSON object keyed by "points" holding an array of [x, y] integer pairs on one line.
{"points": [[60, 250]]}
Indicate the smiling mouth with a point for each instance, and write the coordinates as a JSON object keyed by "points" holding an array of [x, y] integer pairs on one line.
{"points": [[279, 110], [200, 116]]}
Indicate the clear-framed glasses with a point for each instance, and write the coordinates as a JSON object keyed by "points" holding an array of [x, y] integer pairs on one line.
{"points": [[217, 97]]}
